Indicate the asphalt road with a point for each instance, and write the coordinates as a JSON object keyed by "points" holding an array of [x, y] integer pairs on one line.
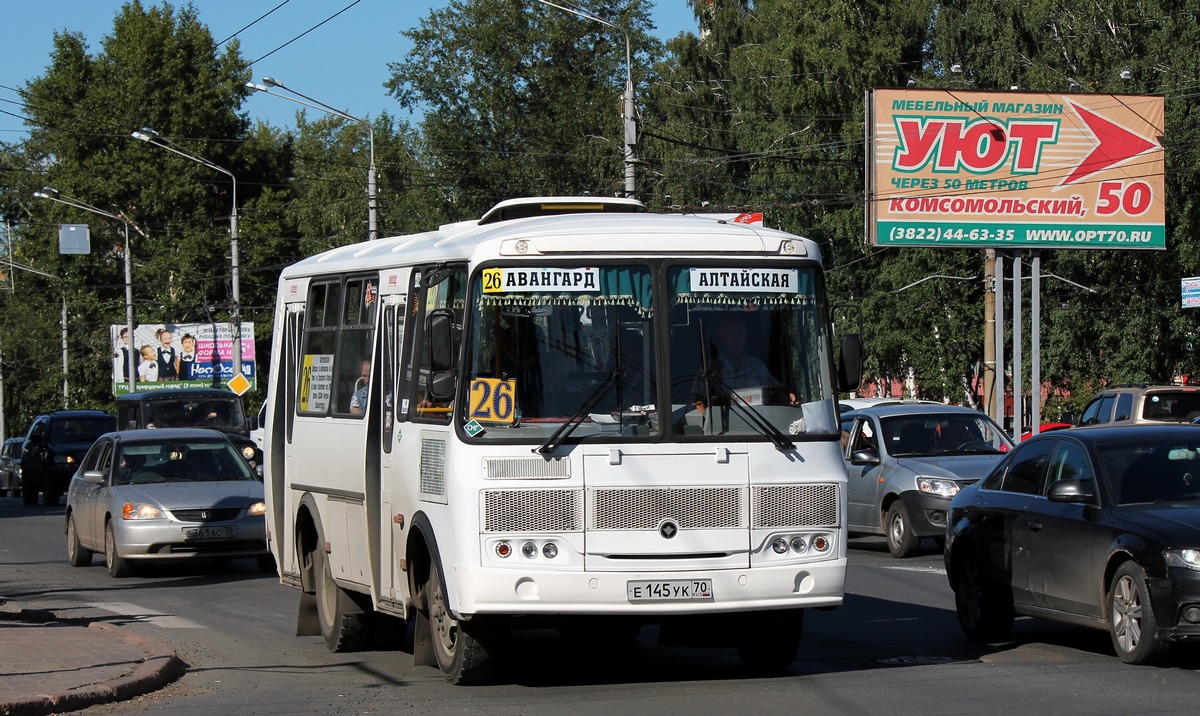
{"points": [[894, 647]]}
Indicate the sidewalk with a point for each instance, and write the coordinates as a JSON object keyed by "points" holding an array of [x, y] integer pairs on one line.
{"points": [[50, 666]]}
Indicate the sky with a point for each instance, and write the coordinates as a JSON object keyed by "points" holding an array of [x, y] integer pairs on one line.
{"points": [[342, 63]]}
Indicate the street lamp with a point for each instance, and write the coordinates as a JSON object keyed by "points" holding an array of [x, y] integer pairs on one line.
{"points": [[52, 194], [627, 106], [372, 208], [149, 135]]}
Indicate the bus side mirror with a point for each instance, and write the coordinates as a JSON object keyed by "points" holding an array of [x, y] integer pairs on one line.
{"points": [[440, 326], [850, 366], [442, 349]]}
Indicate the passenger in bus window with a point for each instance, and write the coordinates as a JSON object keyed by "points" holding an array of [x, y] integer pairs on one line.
{"points": [[358, 401]]}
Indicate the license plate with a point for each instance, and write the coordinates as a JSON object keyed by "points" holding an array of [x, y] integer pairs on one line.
{"points": [[217, 532], [669, 590]]}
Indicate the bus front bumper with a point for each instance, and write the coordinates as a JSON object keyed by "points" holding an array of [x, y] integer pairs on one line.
{"points": [[482, 590]]}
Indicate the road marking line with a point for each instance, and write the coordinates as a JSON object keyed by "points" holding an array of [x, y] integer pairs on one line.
{"points": [[146, 615], [927, 570]]}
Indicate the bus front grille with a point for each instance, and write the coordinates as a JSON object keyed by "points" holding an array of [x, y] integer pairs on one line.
{"points": [[795, 506], [645, 508], [532, 510]]}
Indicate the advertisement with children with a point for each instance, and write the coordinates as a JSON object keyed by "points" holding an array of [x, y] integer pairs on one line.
{"points": [[179, 355]]}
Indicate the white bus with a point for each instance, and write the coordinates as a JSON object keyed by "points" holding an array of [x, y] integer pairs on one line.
{"points": [[570, 412]]}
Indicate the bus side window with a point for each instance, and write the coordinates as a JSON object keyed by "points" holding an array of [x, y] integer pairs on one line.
{"points": [[438, 288]]}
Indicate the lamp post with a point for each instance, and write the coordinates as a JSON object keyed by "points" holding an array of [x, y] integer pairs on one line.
{"points": [[52, 194], [149, 135], [372, 203], [627, 106]]}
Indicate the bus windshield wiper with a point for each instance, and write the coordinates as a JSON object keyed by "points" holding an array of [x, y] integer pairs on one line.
{"points": [[753, 419], [552, 442]]}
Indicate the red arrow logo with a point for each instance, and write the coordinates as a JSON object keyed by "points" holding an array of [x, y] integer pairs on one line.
{"points": [[1114, 145]]}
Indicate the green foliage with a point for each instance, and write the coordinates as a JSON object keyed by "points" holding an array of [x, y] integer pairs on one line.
{"points": [[520, 98]]}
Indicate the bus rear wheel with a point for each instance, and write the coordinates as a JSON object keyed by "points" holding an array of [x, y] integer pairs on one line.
{"points": [[464, 650], [341, 619]]}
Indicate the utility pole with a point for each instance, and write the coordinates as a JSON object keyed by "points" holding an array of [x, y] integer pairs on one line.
{"points": [[989, 333]]}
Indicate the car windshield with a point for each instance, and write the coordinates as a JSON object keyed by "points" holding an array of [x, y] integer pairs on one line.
{"points": [[929, 434], [179, 461], [1172, 407], [218, 412], [83, 429], [1151, 469]]}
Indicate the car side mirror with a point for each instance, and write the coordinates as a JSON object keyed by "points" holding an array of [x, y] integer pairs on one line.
{"points": [[1071, 491], [93, 477], [864, 457]]}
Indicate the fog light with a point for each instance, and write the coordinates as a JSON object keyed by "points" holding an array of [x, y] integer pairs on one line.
{"points": [[799, 545], [1192, 613], [820, 543], [780, 545], [503, 550], [529, 549], [550, 550]]}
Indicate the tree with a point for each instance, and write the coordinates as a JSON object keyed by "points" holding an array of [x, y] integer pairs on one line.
{"points": [[520, 98], [158, 68]]}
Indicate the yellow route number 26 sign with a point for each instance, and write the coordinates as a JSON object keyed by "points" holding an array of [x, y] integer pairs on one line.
{"points": [[493, 400]]}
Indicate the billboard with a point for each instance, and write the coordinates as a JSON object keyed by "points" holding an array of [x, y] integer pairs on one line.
{"points": [[954, 168], [179, 355]]}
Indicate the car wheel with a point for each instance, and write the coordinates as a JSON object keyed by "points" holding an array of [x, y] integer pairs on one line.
{"points": [[768, 644], [984, 608], [341, 620], [118, 568], [463, 650], [77, 554], [29, 492], [1131, 622], [900, 539]]}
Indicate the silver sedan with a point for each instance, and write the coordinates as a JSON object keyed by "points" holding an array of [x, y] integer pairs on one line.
{"points": [[158, 495]]}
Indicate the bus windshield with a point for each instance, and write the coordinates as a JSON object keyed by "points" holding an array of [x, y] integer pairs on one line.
{"points": [[748, 352], [547, 343], [565, 345]]}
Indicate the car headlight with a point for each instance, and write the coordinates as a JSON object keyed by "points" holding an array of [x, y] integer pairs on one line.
{"points": [[258, 508], [939, 487], [1186, 558], [139, 511], [248, 452]]}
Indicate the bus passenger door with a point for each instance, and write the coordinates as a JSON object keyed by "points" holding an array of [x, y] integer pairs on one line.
{"points": [[395, 511]]}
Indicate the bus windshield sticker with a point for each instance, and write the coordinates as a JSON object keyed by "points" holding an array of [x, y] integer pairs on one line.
{"points": [[316, 383], [743, 280], [494, 400], [512, 279], [472, 428]]}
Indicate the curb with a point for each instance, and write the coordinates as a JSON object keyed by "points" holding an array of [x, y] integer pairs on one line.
{"points": [[160, 667]]}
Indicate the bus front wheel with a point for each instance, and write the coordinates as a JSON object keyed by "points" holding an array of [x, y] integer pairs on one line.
{"points": [[464, 650], [340, 618]]}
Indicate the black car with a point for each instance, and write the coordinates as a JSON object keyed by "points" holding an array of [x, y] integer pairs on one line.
{"points": [[1092, 526], [211, 408], [54, 445]]}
